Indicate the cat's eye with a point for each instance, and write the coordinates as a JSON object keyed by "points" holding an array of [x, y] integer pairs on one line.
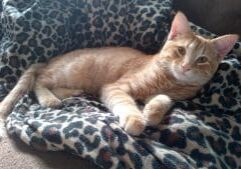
{"points": [[181, 50], [202, 59]]}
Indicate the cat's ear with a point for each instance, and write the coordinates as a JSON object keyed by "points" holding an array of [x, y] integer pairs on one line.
{"points": [[224, 44], [179, 26]]}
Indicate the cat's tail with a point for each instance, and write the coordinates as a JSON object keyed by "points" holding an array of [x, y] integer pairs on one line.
{"points": [[24, 85]]}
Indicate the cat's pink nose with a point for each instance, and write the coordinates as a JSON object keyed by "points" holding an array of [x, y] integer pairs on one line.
{"points": [[185, 68]]}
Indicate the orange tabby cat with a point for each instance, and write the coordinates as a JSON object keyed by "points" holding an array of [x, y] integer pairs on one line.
{"points": [[121, 75]]}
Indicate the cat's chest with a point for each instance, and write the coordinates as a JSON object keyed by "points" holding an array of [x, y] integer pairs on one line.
{"points": [[174, 91], [180, 92]]}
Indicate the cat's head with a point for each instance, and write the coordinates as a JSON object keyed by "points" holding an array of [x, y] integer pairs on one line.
{"points": [[193, 59]]}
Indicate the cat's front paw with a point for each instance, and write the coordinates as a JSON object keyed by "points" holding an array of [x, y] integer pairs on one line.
{"points": [[3, 132], [133, 124], [51, 102], [155, 109]]}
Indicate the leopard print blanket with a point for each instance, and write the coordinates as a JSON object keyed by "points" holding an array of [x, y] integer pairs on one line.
{"points": [[204, 132]]}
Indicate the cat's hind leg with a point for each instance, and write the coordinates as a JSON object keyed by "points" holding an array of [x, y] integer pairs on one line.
{"points": [[63, 93], [155, 108], [45, 97]]}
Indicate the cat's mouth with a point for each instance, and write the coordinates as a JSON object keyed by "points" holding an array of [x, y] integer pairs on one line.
{"points": [[184, 76], [179, 73], [187, 77]]}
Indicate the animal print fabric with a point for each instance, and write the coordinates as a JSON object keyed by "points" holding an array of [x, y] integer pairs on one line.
{"points": [[203, 132]]}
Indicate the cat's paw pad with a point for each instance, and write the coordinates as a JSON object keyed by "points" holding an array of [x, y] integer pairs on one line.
{"points": [[53, 103], [3, 132], [134, 124]]}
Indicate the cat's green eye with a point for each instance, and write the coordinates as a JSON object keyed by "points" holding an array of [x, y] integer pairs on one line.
{"points": [[181, 50], [202, 59]]}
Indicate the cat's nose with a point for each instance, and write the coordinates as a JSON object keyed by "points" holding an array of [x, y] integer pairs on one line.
{"points": [[186, 68]]}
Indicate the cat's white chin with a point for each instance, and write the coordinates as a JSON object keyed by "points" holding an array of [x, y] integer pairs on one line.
{"points": [[189, 77]]}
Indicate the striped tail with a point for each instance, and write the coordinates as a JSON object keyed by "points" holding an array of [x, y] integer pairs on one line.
{"points": [[23, 86]]}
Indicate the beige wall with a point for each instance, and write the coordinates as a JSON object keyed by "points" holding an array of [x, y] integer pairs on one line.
{"points": [[219, 16]]}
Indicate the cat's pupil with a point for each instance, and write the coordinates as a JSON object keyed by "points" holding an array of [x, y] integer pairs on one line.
{"points": [[202, 59], [181, 50]]}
